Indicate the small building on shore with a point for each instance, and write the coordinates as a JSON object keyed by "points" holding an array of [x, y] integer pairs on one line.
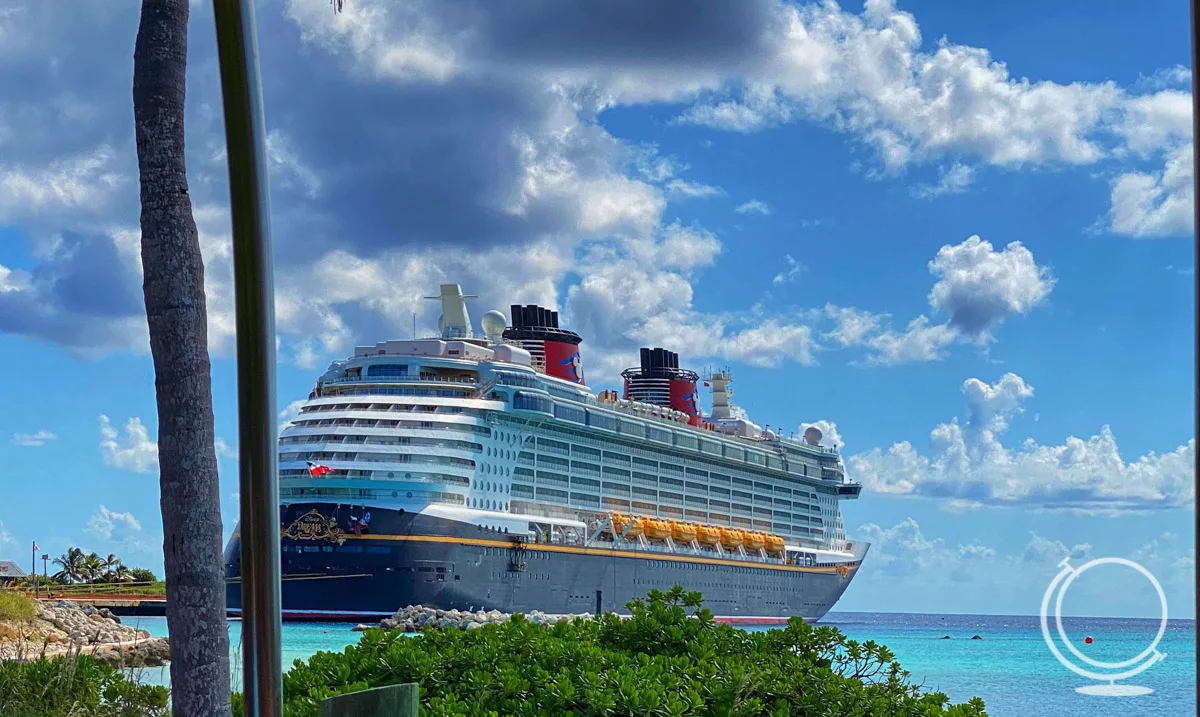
{"points": [[10, 572]]}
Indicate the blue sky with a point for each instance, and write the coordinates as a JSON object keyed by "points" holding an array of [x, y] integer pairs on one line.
{"points": [[957, 238]]}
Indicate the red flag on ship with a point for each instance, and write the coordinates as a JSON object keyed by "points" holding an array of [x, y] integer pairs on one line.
{"points": [[317, 470], [706, 384]]}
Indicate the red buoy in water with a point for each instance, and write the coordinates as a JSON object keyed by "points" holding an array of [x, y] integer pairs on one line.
{"points": [[1088, 639]]}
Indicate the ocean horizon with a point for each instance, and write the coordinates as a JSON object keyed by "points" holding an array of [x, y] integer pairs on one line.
{"points": [[1010, 667]]}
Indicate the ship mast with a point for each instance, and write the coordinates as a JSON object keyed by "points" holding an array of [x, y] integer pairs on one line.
{"points": [[454, 322]]}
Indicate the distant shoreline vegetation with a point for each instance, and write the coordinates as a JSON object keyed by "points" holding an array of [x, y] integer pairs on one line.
{"points": [[89, 573]]}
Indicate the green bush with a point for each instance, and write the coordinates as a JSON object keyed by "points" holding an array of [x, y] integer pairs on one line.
{"points": [[16, 606], [75, 687], [668, 659], [142, 575]]}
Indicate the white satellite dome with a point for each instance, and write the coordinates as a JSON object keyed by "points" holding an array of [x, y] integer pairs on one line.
{"points": [[493, 323]]}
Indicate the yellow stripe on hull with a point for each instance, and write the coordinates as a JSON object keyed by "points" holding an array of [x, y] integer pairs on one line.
{"points": [[597, 551]]}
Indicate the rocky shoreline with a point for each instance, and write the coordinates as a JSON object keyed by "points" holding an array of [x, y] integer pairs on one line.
{"points": [[415, 618], [63, 627]]}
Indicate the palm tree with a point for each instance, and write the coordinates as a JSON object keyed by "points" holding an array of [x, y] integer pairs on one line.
{"points": [[121, 574], [173, 286], [72, 566], [93, 568], [110, 563]]}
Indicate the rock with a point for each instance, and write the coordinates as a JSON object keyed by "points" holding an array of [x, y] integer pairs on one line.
{"points": [[976, 637], [944, 637], [63, 626], [473, 626], [360, 627]]}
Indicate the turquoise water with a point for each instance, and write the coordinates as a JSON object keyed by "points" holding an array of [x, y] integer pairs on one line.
{"points": [[1010, 668]]}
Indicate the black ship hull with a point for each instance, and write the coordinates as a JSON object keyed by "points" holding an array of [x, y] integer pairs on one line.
{"points": [[408, 558]]}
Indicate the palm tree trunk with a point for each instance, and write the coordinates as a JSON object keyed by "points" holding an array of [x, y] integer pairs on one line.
{"points": [[173, 285]]}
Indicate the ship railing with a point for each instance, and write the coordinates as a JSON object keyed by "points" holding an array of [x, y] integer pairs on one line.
{"points": [[422, 378]]}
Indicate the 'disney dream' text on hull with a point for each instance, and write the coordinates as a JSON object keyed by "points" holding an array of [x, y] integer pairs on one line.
{"points": [[482, 473]]}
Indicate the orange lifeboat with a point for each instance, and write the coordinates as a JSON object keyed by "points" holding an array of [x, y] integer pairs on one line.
{"points": [[731, 537], [656, 529], [683, 532], [622, 522], [708, 534], [774, 544], [754, 540]]}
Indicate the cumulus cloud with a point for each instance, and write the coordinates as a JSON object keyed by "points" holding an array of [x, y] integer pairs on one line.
{"points": [[977, 288], [478, 155], [108, 524], [829, 432], [1010, 577], [1156, 204], [39, 438], [903, 550], [134, 452], [967, 463]]}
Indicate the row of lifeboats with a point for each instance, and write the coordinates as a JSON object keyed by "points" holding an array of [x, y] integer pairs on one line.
{"points": [[641, 408], [658, 529]]}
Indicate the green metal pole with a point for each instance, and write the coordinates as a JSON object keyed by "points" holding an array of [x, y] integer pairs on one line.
{"points": [[250, 208]]}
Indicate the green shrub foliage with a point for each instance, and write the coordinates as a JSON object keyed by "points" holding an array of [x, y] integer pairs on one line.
{"points": [[669, 659], [76, 686], [17, 607]]}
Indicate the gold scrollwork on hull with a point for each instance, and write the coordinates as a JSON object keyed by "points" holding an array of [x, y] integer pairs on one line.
{"points": [[843, 570], [314, 526]]}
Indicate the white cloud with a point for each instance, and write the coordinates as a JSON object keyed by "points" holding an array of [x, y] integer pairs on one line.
{"points": [[135, 452], [978, 287], [789, 274], [77, 183], [920, 341], [1156, 204], [866, 74], [107, 524], [954, 179], [6, 538], [968, 463], [40, 438], [1009, 578], [682, 189], [754, 206], [224, 449]]}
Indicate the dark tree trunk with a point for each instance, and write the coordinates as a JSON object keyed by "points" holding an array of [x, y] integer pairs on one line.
{"points": [[175, 308]]}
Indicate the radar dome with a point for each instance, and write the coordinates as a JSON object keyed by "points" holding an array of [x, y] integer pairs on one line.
{"points": [[493, 323], [813, 435]]}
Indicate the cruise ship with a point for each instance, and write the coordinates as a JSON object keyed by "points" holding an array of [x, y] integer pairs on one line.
{"points": [[482, 473]]}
